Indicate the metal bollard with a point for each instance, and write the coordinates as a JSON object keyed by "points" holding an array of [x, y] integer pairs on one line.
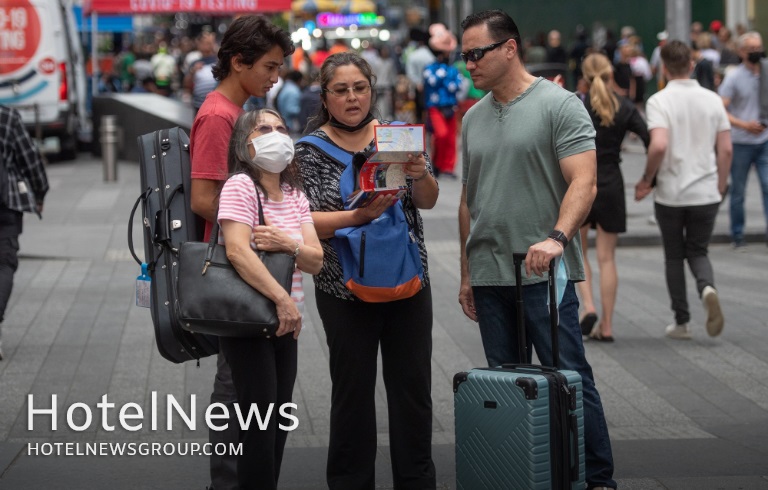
{"points": [[109, 141]]}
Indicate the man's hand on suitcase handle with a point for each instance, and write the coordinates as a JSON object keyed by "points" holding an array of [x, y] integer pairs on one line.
{"points": [[540, 255], [467, 300]]}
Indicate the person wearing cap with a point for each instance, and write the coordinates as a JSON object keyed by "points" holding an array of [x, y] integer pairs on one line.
{"points": [[714, 30], [442, 83]]}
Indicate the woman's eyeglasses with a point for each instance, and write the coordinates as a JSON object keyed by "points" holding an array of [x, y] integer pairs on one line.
{"points": [[342, 91], [475, 55], [266, 128]]}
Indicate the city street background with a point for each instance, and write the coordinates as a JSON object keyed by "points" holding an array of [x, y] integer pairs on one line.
{"points": [[682, 415]]}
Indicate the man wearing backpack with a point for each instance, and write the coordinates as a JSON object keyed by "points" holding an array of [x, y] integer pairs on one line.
{"points": [[24, 184], [251, 53]]}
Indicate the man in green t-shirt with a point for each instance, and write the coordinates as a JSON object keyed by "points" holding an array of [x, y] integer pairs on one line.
{"points": [[529, 182]]}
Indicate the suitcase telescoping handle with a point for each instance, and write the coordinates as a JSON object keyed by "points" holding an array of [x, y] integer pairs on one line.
{"points": [[519, 260]]}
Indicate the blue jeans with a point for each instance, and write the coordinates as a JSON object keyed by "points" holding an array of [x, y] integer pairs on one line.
{"points": [[743, 158], [496, 313]]}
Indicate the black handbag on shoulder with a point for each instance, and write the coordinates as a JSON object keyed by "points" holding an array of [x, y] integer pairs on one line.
{"points": [[214, 299]]}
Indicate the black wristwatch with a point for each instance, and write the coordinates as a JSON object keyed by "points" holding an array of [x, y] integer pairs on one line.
{"points": [[559, 236]]}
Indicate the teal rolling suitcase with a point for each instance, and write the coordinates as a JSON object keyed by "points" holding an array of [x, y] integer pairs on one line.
{"points": [[520, 427]]}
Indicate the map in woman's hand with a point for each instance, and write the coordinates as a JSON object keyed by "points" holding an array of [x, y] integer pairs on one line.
{"points": [[383, 173]]}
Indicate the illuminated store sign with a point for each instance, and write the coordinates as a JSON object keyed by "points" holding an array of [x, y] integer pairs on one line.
{"points": [[329, 20]]}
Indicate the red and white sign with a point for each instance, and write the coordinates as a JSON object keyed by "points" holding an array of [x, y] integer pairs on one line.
{"points": [[19, 35], [208, 6], [47, 65]]}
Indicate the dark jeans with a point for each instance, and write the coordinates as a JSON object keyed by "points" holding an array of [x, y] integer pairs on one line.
{"points": [[685, 233], [224, 467], [263, 371], [354, 331], [10, 229], [497, 316], [744, 156]]}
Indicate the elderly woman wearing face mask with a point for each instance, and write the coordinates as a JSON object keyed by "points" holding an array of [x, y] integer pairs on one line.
{"points": [[264, 369]]}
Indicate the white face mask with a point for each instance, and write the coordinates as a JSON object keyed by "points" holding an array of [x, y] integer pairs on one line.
{"points": [[274, 151]]}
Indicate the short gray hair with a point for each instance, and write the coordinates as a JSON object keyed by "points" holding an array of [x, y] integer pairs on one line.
{"points": [[749, 35]]}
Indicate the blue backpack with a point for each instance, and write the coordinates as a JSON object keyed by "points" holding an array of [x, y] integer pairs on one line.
{"points": [[380, 260]]}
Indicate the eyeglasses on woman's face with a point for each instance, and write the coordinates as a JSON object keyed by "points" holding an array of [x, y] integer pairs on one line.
{"points": [[357, 89], [475, 55], [262, 129]]}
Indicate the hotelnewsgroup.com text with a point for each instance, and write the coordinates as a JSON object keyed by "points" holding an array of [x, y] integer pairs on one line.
{"points": [[132, 449]]}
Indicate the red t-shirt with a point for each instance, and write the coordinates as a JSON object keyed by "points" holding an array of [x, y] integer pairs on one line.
{"points": [[209, 140]]}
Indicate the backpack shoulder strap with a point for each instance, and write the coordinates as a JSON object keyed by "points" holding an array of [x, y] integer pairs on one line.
{"points": [[332, 151]]}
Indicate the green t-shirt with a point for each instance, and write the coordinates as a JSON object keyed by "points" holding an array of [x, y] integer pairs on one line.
{"points": [[511, 166]]}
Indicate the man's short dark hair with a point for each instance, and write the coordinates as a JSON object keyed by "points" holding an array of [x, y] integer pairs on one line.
{"points": [[676, 57], [500, 25], [250, 37]]}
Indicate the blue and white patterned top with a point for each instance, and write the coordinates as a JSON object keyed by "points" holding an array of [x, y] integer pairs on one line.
{"points": [[441, 84]]}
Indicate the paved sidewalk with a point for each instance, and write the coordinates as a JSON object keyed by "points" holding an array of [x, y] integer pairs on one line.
{"points": [[682, 415]]}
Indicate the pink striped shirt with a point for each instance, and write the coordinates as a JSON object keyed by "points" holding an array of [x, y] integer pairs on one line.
{"points": [[237, 202]]}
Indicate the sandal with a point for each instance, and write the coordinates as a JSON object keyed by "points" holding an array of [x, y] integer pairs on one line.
{"points": [[588, 323], [595, 334]]}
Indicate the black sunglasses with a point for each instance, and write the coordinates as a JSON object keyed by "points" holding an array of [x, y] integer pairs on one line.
{"points": [[475, 55]]}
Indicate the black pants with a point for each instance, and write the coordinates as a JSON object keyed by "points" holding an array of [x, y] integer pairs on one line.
{"points": [[354, 332], [685, 233], [224, 466], [263, 371], [10, 229]]}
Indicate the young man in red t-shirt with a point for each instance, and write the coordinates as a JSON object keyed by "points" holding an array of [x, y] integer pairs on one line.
{"points": [[251, 54]]}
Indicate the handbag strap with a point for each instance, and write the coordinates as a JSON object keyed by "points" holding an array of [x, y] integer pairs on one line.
{"points": [[214, 239]]}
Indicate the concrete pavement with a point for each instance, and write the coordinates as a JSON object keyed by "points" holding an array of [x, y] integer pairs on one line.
{"points": [[682, 415]]}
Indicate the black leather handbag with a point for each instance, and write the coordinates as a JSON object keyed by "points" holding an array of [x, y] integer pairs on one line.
{"points": [[214, 299]]}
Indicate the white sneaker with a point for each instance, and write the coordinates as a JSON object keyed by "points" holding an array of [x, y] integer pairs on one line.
{"points": [[680, 332], [715, 319]]}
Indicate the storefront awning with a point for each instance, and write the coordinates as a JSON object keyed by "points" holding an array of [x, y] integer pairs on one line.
{"points": [[108, 23], [221, 7]]}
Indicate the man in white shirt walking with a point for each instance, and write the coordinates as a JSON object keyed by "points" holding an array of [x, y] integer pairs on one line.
{"points": [[690, 157]]}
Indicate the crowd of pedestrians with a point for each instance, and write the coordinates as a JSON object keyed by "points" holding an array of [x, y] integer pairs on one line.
{"points": [[540, 169]]}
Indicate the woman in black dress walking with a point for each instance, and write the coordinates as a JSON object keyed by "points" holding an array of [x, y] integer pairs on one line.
{"points": [[612, 116]]}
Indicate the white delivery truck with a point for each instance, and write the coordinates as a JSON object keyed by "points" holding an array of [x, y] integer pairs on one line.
{"points": [[42, 72]]}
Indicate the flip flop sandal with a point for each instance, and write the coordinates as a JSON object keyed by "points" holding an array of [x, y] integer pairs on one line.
{"points": [[588, 323], [596, 335]]}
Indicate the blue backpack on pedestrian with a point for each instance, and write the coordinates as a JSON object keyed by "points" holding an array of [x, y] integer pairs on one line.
{"points": [[380, 260]]}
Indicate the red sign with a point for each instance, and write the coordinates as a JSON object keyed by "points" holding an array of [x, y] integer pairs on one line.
{"points": [[19, 35], [207, 6], [47, 65]]}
